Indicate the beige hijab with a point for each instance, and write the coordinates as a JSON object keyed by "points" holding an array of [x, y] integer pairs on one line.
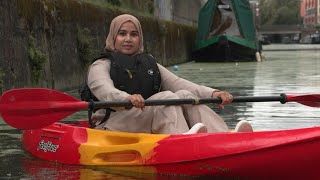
{"points": [[115, 25]]}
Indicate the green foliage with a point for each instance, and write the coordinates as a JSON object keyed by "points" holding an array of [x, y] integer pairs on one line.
{"points": [[150, 7], [284, 12], [114, 2], [284, 16], [37, 59], [84, 45], [145, 7], [1, 74], [104, 2], [163, 30], [1, 81]]}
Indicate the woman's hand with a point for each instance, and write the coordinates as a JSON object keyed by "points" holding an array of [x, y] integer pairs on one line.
{"points": [[137, 100], [226, 97]]}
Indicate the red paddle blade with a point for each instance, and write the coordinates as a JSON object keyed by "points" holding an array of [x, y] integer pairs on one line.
{"points": [[312, 100], [37, 107]]}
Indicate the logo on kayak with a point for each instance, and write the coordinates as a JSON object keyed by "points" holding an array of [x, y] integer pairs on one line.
{"points": [[47, 146]]}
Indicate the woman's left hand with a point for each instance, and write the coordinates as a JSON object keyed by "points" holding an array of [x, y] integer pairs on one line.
{"points": [[226, 97]]}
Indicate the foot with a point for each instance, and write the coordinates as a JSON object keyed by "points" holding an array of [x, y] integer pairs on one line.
{"points": [[197, 128], [243, 126]]}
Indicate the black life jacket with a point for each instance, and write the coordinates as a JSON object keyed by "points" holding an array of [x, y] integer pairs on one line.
{"points": [[137, 74]]}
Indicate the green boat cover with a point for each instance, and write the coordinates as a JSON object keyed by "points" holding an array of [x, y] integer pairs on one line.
{"points": [[230, 17]]}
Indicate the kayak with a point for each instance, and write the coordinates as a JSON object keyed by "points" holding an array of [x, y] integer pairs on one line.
{"points": [[281, 154], [276, 154]]}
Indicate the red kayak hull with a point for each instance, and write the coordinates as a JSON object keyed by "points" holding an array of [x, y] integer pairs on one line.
{"points": [[283, 154]]}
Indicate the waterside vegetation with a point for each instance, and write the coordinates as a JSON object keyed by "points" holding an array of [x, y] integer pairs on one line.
{"points": [[85, 46], [58, 39], [37, 59], [284, 12]]}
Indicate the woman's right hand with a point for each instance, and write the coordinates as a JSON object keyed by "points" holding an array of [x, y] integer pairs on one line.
{"points": [[137, 100]]}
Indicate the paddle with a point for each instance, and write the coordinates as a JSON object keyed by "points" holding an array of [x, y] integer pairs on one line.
{"points": [[39, 107]]}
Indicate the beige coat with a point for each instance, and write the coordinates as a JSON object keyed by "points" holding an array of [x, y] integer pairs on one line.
{"points": [[153, 119]]}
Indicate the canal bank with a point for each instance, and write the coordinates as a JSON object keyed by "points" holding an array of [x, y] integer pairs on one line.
{"points": [[291, 47], [51, 43]]}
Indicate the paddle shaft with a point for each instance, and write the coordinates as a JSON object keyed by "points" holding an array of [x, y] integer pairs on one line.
{"points": [[99, 105]]}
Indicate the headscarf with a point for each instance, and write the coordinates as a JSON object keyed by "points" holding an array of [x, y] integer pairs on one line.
{"points": [[115, 25]]}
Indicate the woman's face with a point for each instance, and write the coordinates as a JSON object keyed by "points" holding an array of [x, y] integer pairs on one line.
{"points": [[127, 40]]}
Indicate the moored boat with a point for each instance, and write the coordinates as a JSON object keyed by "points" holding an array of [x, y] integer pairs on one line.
{"points": [[248, 155], [226, 32]]}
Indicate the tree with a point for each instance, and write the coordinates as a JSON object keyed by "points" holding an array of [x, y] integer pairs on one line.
{"points": [[276, 12]]}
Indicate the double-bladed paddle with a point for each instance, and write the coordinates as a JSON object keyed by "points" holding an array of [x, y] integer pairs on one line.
{"points": [[39, 107]]}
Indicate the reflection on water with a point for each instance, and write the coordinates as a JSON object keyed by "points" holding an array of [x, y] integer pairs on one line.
{"points": [[290, 72], [39, 169], [295, 72]]}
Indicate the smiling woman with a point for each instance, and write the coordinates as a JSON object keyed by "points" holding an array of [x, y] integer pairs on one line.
{"points": [[126, 36], [128, 39], [125, 72]]}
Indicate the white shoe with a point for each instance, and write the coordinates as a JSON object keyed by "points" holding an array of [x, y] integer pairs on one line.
{"points": [[243, 126], [197, 128]]}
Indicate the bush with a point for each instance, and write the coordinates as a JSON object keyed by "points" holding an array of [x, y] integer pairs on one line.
{"points": [[1, 81], [37, 59], [84, 41]]}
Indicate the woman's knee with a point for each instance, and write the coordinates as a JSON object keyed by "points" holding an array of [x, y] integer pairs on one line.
{"points": [[185, 94], [164, 95]]}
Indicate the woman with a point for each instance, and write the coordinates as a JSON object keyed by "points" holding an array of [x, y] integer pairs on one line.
{"points": [[127, 73]]}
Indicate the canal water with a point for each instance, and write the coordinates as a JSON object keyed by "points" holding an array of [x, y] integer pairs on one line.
{"points": [[290, 72]]}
